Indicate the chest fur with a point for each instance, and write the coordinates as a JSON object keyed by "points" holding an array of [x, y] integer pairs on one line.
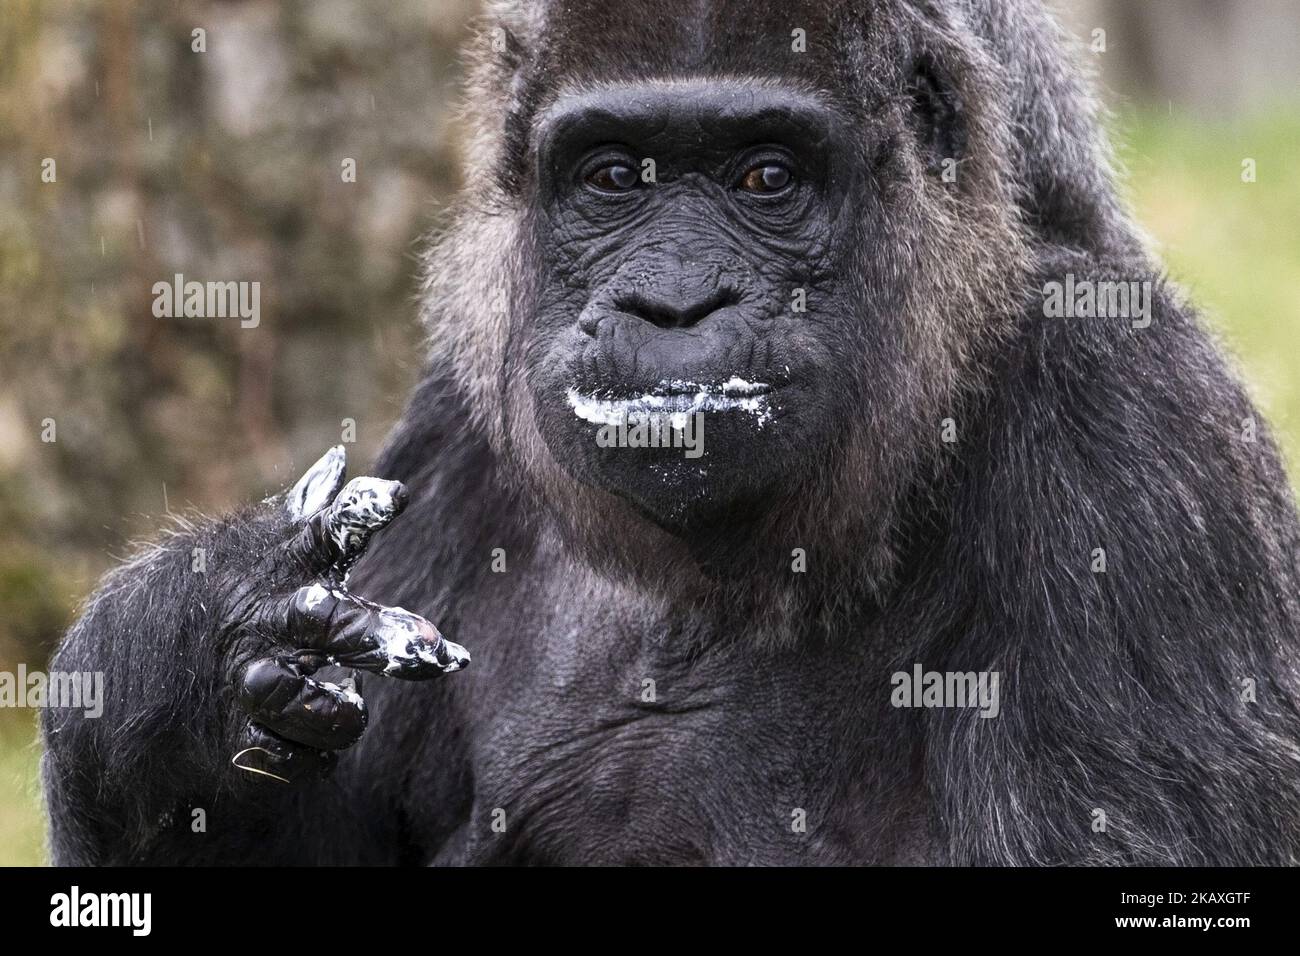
{"points": [[623, 751]]}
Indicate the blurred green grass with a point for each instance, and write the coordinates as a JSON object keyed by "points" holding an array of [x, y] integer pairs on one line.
{"points": [[22, 825], [1235, 247]]}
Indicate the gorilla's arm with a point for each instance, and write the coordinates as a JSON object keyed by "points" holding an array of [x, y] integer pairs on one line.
{"points": [[1159, 687], [207, 644], [161, 745]]}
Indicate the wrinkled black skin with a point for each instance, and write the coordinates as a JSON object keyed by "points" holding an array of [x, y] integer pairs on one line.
{"points": [[1120, 691], [690, 279]]}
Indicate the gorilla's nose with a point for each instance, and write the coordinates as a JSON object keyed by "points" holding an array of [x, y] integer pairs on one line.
{"points": [[676, 310]]}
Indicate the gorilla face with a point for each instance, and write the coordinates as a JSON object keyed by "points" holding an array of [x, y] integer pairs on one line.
{"points": [[686, 235]]}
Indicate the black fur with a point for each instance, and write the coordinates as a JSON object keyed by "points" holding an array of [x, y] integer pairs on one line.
{"points": [[1121, 692]]}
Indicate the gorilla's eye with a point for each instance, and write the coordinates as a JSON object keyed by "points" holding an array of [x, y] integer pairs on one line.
{"points": [[613, 178], [769, 178]]}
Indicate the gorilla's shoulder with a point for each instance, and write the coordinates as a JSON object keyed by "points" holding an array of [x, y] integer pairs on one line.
{"points": [[1116, 325], [459, 503], [1142, 410], [436, 435]]}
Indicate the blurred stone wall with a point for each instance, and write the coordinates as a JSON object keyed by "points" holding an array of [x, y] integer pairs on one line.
{"points": [[219, 165], [1214, 58]]}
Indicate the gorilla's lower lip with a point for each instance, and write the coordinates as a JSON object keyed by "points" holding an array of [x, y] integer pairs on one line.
{"points": [[672, 398]]}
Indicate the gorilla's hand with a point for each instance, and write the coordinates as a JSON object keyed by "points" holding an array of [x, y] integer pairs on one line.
{"points": [[297, 616]]}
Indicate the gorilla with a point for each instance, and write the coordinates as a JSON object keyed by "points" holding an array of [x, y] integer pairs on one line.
{"points": [[822, 234]]}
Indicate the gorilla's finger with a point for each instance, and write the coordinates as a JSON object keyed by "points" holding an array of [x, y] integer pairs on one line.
{"points": [[327, 625], [395, 642], [318, 486], [270, 757], [335, 537], [315, 713]]}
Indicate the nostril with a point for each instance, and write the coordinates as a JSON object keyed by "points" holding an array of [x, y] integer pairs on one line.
{"points": [[669, 313]]}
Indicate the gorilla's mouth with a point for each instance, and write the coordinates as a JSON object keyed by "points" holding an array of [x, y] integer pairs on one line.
{"points": [[672, 399]]}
